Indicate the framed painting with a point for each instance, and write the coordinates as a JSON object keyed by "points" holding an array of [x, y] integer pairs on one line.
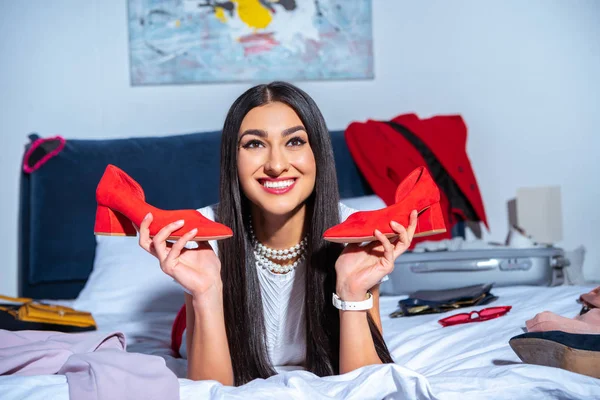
{"points": [[207, 41]]}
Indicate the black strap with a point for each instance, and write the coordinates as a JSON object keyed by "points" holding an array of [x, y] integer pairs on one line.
{"points": [[455, 196]]}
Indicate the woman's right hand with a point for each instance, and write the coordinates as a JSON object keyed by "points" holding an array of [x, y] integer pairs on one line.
{"points": [[197, 270]]}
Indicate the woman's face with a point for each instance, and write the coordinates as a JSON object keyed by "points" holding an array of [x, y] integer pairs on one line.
{"points": [[276, 165]]}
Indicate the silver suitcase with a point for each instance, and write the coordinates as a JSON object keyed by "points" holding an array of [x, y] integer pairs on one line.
{"points": [[438, 270]]}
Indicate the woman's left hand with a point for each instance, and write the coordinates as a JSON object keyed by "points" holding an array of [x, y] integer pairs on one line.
{"points": [[359, 268]]}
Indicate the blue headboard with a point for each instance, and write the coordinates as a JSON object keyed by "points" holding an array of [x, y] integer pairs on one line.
{"points": [[58, 201]]}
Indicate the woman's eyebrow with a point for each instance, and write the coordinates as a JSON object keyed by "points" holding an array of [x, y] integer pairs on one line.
{"points": [[293, 129], [262, 134], [256, 132]]}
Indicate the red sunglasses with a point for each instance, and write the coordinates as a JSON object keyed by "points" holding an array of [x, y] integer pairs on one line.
{"points": [[475, 316]]}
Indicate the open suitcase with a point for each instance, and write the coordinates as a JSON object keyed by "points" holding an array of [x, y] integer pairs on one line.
{"points": [[439, 270]]}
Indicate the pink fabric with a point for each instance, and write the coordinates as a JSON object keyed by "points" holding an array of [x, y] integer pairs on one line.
{"points": [[592, 298], [588, 323], [96, 364]]}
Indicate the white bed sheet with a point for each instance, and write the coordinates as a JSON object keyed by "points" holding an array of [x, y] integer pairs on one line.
{"points": [[471, 361]]}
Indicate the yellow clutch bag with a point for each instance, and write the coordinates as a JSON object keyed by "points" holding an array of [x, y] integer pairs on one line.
{"points": [[31, 311]]}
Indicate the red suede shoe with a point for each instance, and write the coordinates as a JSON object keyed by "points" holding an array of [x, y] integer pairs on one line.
{"points": [[121, 201], [417, 191]]}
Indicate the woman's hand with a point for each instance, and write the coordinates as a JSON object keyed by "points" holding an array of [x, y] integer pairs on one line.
{"points": [[359, 268], [197, 270]]}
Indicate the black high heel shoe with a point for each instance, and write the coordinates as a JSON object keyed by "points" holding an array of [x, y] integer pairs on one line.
{"points": [[573, 352]]}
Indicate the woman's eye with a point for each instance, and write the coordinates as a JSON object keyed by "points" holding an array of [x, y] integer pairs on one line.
{"points": [[296, 141], [253, 144]]}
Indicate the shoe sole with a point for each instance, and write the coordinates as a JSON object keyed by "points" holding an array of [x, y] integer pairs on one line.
{"points": [[198, 238], [552, 354], [373, 238]]}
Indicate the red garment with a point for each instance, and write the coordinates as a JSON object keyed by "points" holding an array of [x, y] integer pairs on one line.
{"points": [[385, 157]]}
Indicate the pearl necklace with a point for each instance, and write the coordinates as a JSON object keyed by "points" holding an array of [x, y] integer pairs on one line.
{"points": [[264, 253]]}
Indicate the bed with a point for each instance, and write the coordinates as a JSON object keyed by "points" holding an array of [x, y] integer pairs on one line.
{"points": [[60, 260]]}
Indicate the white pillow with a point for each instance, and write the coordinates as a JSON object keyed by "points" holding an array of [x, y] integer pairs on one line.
{"points": [[364, 203], [126, 279]]}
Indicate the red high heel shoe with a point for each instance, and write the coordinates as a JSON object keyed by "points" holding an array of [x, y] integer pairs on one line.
{"points": [[121, 201], [417, 191]]}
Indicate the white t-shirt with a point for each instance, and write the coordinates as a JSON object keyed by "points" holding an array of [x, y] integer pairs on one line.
{"points": [[283, 306]]}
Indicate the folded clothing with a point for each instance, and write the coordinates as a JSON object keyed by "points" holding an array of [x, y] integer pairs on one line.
{"points": [[516, 239], [439, 301]]}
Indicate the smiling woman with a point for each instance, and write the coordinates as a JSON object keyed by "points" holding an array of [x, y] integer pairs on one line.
{"points": [[276, 162], [261, 301]]}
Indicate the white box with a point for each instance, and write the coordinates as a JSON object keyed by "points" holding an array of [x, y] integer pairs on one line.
{"points": [[539, 213]]}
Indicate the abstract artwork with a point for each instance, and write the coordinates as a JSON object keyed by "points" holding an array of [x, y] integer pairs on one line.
{"points": [[206, 41]]}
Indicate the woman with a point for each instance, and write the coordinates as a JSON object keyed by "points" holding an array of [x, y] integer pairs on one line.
{"points": [[249, 313]]}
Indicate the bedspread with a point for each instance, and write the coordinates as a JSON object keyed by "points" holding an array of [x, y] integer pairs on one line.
{"points": [[462, 362]]}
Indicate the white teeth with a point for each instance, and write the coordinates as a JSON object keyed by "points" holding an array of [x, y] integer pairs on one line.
{"points": [[278, 184]]}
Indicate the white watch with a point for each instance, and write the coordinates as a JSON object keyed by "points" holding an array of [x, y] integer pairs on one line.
{"points": [[353, 305]]}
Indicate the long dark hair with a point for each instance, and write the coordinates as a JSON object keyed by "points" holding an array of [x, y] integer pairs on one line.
{"points": [[244, 319]]}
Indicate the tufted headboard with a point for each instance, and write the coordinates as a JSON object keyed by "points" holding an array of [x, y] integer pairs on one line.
{"points": [[58, 203]]}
